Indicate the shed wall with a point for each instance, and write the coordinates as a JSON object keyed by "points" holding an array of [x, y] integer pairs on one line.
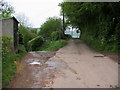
{"points": [[0, 27], [7, 27]]}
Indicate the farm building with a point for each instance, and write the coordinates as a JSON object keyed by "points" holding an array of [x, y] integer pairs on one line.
{"points": [[9, 27]]}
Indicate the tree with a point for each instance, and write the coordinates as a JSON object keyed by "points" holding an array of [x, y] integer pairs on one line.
{"points": [[97, 21], [25, 34], [6, 10], [51, 25]]}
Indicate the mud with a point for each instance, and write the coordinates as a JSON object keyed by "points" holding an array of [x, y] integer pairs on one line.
{"points": [[36, 70]]}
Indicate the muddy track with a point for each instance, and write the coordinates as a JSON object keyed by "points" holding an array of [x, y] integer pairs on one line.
{"points": [[34, 70], [73, 66]]}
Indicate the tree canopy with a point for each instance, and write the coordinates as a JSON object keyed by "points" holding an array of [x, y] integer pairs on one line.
{"points": [[52, 24], [5, 9], [96, 20]]}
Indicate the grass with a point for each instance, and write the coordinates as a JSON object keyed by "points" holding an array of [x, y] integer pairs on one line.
{"points": [[96, 44], [9, 68], [8, 59], [52, 45]]}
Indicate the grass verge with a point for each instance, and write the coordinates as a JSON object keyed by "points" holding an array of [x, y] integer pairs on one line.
{"points": [[52, 45], [9, 68], [97, 45], [9, 65]]}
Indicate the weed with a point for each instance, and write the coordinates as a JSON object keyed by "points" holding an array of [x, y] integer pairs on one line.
{"points": [[52, 45]]}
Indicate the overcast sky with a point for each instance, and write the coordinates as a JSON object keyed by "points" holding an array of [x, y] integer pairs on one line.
{"points": [[36, 10]]}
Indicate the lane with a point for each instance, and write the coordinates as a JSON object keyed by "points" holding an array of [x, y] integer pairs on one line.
{"points": [[86, 68], [73, 66]]}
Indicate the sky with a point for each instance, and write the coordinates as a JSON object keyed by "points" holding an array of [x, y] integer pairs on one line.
{"points": [[37, 11]]}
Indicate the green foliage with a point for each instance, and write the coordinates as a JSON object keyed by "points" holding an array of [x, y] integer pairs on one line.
{"points": [[68, 36], [26, 34], [35, 43], [52, 45], [55, 35], [21, 48], [8, 58], [117, 36], [7, 46], [20, 38], [33, 30], [52, 31], [98, 22], [5, 9], [51, 25], [9, 68]]}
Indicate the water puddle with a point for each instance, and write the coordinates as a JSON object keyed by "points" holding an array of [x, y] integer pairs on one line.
{"points": [[35, 63]]}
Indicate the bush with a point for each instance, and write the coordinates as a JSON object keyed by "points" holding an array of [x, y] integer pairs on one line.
{"points": [[8, 58], [7, 45], [26, 34], [52, 45], [55, 35], [67, 36], [118, 36], [51, 25], [35, 43], [20, 38], [21, 48]]}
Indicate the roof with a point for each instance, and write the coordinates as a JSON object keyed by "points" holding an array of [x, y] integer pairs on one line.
{"points": [[10, 18]]}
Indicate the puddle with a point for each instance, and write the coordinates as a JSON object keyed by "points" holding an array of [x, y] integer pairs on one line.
{"points": [[55, 64], [35, 63]]}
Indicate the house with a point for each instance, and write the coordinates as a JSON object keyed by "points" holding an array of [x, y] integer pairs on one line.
{"points": [[9, 26]]}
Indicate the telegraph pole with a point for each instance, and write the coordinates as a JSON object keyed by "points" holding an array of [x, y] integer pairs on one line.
{"points": [[63, 20]]}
